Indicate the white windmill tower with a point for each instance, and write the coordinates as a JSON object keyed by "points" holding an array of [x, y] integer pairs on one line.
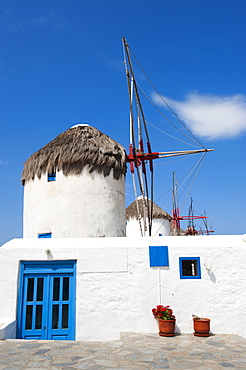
{"points": [[74, 186]]}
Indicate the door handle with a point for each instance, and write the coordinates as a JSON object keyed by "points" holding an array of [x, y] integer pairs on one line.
{"points": [[44, 327]]}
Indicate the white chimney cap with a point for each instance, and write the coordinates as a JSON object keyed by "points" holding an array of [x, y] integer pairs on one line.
{"points": [[80, 124]]}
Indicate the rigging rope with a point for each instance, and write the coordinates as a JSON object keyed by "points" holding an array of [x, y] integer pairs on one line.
{"points": [[177, 160], [136, 110], [169, 121], [141, 119], [196, 169], [173, 137], [138, 212], [164, 101]]}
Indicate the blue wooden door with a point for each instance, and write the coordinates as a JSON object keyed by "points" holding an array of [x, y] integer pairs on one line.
{"points": [[33, 320], [47, 300]]}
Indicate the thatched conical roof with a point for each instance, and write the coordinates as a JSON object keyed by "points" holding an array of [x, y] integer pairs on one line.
{"points": [[131, 210], [75, 148], [177, 232]]}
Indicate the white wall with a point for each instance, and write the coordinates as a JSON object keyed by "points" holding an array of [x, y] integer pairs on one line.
{"points": [[116, 288], [85, 205], [159, 226], [8, 330]]}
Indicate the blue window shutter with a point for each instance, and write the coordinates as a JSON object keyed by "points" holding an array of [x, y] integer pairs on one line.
{"points": [[45, 235], [52, 177], [158, 256]]}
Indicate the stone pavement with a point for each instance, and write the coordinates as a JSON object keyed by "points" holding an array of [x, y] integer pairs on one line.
{"points": [[132, 351]]}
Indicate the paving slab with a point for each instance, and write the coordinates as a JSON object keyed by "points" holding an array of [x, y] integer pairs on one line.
{"points": [[134, 351]]}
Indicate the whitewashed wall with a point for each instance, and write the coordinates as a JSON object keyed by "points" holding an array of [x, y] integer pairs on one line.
{"points": [[159, 226], [116, 288], [85, 205]]}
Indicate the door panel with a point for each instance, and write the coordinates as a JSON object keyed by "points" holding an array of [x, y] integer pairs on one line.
{"points": [[59, 337], [60, 313], [47, 301], [34, 302]]}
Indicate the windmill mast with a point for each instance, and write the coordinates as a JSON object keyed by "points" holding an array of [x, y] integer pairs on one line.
{"points": [[140, 152]]}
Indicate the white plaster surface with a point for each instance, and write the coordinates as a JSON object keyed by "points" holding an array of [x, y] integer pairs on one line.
{"points": [[85, 205], [159, 226], [116, 289], [8, 330]]}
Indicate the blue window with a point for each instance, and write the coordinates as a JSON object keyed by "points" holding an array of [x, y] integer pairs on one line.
{"points": [[189, 268], [158, 256], [52, 175], [45, 235]]}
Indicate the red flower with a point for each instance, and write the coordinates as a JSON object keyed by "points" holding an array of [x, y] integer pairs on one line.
{"points": [[163, 312]]}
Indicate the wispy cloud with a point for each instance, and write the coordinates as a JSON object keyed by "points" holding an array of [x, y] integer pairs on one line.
{"points": [[6, 10], [50, 20], [3, 74], [209, 116], [15, 27], [112, 63], [4, 163]]}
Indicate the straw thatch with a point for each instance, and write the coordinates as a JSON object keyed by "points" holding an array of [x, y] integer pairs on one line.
{"points": [[177, 232], [131, 210], [75, 148]]}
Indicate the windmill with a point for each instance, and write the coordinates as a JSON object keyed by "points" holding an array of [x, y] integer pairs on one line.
{"points": [[141, 157]]}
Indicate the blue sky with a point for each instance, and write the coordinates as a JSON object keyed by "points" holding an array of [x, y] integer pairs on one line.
{"points": [[61, 63]]}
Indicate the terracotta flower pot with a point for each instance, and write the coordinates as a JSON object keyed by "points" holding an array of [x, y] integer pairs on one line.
{"points": [[201, 327], [166, 328]]}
